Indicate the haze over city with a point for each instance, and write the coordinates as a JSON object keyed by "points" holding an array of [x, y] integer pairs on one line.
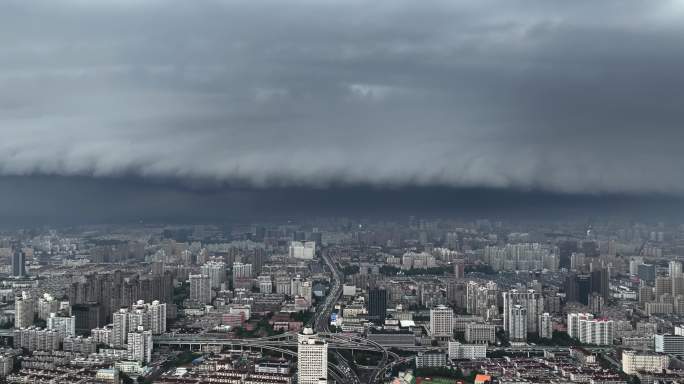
{"points": [[341, 192]]}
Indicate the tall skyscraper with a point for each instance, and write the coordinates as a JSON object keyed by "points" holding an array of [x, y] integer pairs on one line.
{"points": [[200, 289], [18, 263], [441, 322], [377, 305], [312, 358]]}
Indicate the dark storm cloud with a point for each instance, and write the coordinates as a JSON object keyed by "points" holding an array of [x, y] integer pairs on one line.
{"points": [[571, 96]]}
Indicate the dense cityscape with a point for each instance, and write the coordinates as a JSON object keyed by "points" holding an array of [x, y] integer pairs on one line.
{"points": [[345, 301]]}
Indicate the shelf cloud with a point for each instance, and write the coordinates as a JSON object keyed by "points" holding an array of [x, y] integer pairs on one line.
{"points": [[567, 96]]}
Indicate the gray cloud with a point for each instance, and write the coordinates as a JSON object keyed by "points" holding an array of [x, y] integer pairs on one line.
{"points": [[578, 96]]}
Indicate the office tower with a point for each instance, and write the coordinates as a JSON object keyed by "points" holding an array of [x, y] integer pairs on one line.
{"points": [[600, 282], [377, 305], [302, 250], [200, 289], [265, 284], [18, 263], [216, 270], [241, 271], [312, 358], [675, 268], [441, 322], [647, 272], [140, 345], [120, 327], [518, 323], [64, 325], [23, 311], [480, 333], [545, 326], [531, 300], [316, 236]]}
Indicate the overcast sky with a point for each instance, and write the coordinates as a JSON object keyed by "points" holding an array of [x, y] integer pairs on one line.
{"points": [[563, 96]]}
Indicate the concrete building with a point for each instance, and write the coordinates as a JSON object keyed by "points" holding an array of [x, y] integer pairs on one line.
{"points": [[312, 358], [467, 351], [64, 325], [242, 271], [23, 311], [265, 284], [480, 333], [669, 344], [302, 250], [545, 326], [140, 345], [216, 270], [441, 322], [531, 300], [633, 362], [517, 323], [200, 289]]}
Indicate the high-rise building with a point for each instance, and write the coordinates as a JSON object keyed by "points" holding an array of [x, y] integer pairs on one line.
{"points": [[64, 325], [23, 311], [241, 271], [517, 330], [675, 268], [663, 285], [120, 327], [18, 263], [647, 272], [377, 305], [312, 358], [47, 304], [157, 313], [531, 300], [545, 326], [441, 322], [216, 270], [200, 289], [265, 284], [588, 330], [140, 345], [600, 280], [302, 250]]}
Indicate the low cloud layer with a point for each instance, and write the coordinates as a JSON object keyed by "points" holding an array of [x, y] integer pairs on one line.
{"points": [[569, 96]]}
